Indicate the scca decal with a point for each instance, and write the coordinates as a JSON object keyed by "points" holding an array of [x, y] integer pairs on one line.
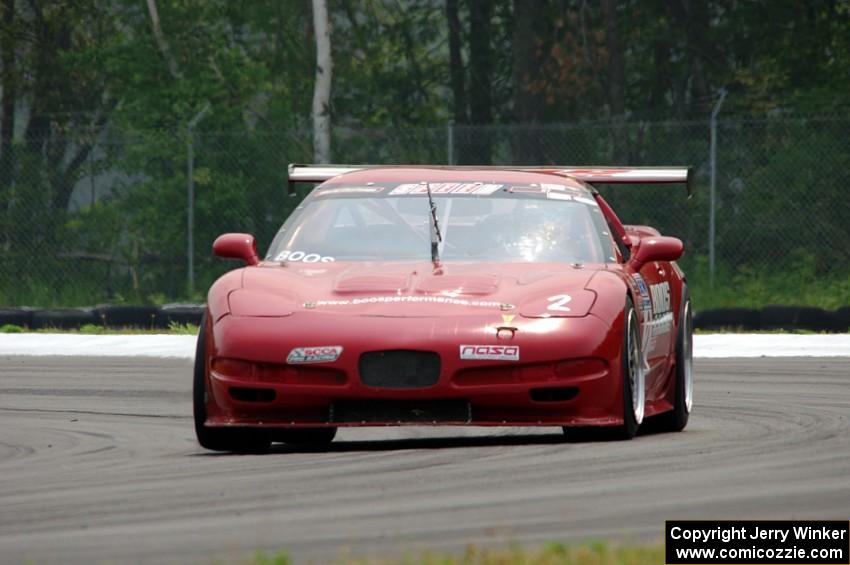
{"points": [[490, 352], [319, 354]]}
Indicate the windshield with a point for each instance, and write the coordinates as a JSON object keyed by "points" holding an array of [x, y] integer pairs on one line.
{"points": [[509, 228]]}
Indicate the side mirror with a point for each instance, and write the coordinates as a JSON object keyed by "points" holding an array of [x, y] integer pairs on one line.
{"points": [[656, 248], [237, 246]]}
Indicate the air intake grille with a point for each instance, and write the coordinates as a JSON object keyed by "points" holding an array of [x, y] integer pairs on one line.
{"points": [[399, 369]]}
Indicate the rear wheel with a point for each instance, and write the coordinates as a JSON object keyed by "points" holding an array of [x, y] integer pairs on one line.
{"points": [[677, 419], [244, 440], [307, 437]]}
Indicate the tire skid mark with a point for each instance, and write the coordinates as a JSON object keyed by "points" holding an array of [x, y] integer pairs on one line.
{"points": [[96, 413]]}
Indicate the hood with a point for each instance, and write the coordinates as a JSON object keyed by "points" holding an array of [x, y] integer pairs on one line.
{"points": [[415, 289]]}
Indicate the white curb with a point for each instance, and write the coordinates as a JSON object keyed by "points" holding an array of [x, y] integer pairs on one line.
{"points": [[183, 346]]}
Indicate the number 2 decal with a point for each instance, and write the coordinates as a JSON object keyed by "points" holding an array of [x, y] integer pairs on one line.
{"points": [[559, 302]]}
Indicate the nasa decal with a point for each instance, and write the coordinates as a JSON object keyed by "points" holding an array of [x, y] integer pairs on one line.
{"points": [[490, 352]]}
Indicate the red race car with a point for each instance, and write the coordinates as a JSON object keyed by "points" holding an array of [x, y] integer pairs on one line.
{"points": [[415, 295]]}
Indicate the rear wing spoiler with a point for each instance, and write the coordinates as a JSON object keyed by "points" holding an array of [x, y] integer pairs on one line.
{"points": [[592, 175]]}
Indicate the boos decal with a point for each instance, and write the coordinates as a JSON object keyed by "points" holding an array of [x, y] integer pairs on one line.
{"points": [[303, 257], [318, 354], [490, 352]]}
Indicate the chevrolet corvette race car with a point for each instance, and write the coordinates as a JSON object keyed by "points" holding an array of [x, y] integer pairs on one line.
{"points": [[413, 295]]}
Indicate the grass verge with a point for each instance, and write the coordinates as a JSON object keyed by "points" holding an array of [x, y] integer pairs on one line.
{"points": [[593, 553], [799, 284]]}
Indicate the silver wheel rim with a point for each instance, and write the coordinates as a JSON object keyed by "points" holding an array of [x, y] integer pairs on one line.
{"points": [[635, 368], [688, 354]]}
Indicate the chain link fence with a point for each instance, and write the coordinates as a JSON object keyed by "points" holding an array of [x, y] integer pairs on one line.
{"points": [[88, 219]]}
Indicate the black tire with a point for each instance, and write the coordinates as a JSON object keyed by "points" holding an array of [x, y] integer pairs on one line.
{"points": [[306, 437], [179, 314], [63, 319], [629, 366], [631, 423], [16, 316], [239, 440], [126, 316], [677, 419]]}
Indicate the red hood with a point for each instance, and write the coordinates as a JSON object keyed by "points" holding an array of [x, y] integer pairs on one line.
{"points": [[414, 289]]}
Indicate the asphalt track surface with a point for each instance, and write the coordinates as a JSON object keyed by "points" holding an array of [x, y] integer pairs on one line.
{"points": [[98, 463]]}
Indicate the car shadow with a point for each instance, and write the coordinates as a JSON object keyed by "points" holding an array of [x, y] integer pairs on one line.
{"points": [[451, 442], [377, 445], [574, 436]]}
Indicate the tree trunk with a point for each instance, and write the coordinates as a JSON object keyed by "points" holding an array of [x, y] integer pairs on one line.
{"points": [[456, 69], [7, 123], [480, 76], [694, 16], [322, 89], [616, 81], [616, 65], [161, 41], [7, 114], [529, 29], [661, 76], [66, 178]]}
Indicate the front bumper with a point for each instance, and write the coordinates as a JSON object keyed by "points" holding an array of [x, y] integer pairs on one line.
{"points": [[568, 373]]}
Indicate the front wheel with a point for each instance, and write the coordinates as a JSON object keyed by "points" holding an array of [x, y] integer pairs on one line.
{"points": [[633, 386], [242, 440]]}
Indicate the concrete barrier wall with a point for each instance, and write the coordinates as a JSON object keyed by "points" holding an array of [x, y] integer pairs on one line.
{"points": [[141, 317]]}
